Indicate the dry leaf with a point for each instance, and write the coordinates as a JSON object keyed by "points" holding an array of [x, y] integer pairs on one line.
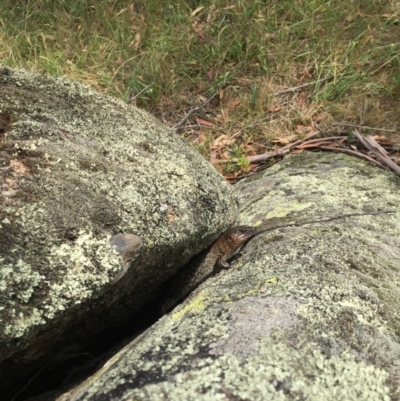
{"points": [[247, 148], [201, 138], [131, 13], [237, 101], [301, 129], [230, 177], [281, 141], [382, 139], [200, 32], [206, 123], [219, 119], [196, 11], [302, 100], [369, 38], [120, 12], [234, 103], [285, 140], [222, 140], [275, 109], [316, 145], [137, 41]]}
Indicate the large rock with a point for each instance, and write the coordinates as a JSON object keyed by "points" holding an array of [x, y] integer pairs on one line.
{"points": [[100, 203], [309, 313]]}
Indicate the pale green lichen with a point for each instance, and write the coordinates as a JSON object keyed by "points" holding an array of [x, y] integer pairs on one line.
{"points": [[23, 322], [90, 167], [197, 304], [313, 315], [283, 211], [22, 276]]}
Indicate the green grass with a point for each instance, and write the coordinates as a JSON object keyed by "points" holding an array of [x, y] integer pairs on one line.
{"points": [[169, 58]]}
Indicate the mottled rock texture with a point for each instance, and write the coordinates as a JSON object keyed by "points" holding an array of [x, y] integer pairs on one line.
{"points": [[308, 313], [99, 203]]}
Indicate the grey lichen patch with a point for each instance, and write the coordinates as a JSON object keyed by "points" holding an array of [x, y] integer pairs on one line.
{"points": [[262, 378], [21, 274], [312, 315], [78, 270], [277, 372], [82, 276], [179, 362], [302, 184], [76, 169], [24, 282], [262, 315], [23, 321]]}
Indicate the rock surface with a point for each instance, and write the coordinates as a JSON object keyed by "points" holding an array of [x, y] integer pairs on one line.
{"points": [[99, 203], [308, 313]]}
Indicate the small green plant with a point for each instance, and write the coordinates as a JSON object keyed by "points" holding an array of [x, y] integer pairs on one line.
{"points": [[243, 163]]}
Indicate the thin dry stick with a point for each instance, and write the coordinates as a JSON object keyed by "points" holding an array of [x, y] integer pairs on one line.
{"points": [[138, 94], [377, 150], [327, 139], [362, 127], [308, 137], [191, 111], [257, 123], [265, 156], [360, 138], [296, 88], [353, 153], [282, 151], [372, 144], [126, 61]]}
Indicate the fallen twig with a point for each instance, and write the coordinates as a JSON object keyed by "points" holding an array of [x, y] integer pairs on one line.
{"points": [[321, 140], [191, 111], [362, 127], [140, 92], [353, 153], [282, 151], [377, 150], [297, 88]]}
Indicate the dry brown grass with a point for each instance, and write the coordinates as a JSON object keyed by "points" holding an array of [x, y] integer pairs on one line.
{"points": [[173, 58]]}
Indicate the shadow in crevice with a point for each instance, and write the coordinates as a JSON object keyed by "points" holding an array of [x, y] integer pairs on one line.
{"points": [[67, 371]]}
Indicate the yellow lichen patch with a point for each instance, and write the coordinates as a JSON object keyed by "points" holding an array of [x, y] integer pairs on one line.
{"points": [[283, 211], [256, 289], [272, 280], [197, 304]]}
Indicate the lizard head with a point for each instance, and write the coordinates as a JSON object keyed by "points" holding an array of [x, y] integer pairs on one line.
{"points": [[239, 234], [231, 241]]}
